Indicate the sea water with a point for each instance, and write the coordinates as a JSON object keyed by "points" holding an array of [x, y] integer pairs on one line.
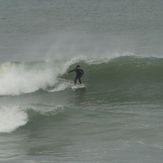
{"points": [[118, 118]]}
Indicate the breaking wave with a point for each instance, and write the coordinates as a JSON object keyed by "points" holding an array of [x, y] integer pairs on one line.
{"points": [[13, 117], [18, 78]]}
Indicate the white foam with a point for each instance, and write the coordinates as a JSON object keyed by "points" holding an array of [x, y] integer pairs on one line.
{"points": [[11, 118], [18, 78]]}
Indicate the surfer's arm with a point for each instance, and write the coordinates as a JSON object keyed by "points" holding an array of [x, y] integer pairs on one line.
{"points": [[82, 72], [71, 71]]}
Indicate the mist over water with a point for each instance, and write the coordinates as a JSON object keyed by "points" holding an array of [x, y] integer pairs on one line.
{"points": [[117, 118]]}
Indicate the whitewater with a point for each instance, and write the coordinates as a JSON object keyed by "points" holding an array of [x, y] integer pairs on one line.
{"points": [[118, 118]]}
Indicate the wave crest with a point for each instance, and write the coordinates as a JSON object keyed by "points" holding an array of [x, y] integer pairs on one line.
{"points": [[11, 118]]}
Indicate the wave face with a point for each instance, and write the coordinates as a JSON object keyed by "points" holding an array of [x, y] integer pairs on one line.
{"points": [[126, 79], [128, 68]]}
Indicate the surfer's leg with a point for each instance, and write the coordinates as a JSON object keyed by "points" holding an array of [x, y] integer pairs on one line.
{"points": [[75, 80], [80, 80]]}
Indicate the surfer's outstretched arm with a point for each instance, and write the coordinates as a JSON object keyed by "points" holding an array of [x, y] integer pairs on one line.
{"points": [[71, 71]]}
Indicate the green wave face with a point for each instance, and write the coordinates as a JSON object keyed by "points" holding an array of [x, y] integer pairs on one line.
{"points": [[125, 79]]}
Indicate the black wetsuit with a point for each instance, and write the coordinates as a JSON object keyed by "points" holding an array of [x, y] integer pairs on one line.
{"points": [[79, 74]]}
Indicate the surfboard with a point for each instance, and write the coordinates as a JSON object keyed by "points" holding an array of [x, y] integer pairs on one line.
{"points": [[71, 84], [78, 86]]}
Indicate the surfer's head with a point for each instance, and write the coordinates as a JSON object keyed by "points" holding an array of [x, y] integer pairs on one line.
{"points": [[77, 66]]}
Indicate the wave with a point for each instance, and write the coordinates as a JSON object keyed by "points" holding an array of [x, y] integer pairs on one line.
{"points": [[17, 77], [11, 117], [14, 117]]}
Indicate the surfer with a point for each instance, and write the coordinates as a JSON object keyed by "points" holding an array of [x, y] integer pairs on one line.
{"points": [[79, 74]]}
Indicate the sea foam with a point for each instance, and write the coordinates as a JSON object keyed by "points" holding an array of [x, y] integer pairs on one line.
{"points": [[22, 78], [12, 117]]}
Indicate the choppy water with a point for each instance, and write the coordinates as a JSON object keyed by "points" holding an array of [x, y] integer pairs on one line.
{"points": [[118, 118]]}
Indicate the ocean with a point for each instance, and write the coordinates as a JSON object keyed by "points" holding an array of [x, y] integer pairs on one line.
{"points": [[118, 118]]}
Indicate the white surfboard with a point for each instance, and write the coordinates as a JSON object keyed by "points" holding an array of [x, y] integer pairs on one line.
{"points": [[78, 86]]}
